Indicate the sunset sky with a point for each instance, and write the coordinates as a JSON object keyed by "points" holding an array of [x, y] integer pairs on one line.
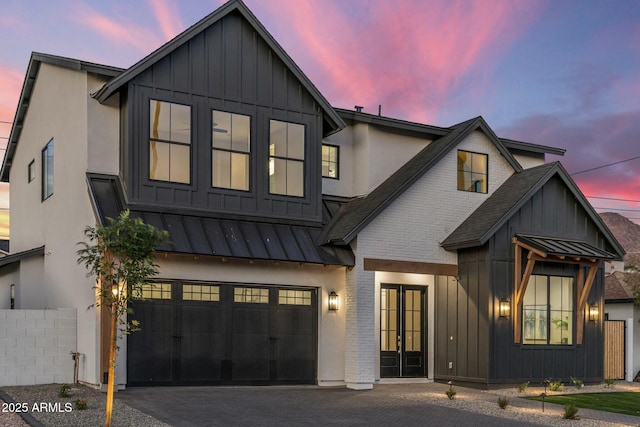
{"points": [[561, 73]]}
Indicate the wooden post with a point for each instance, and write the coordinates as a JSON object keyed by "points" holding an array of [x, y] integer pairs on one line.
{"points": [[112, 364]]}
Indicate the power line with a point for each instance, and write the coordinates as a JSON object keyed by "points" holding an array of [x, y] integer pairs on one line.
{"points": [[617, 209], [612, 198], [605, 166], [6, 122]]}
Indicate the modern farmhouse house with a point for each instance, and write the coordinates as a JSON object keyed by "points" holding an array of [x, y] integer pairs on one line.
{"points": [[309, 244]]}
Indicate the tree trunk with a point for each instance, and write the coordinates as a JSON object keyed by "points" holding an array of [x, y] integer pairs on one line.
{"points": [[111, 376]]}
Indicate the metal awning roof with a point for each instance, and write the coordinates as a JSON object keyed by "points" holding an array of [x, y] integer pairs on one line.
{"points": [[193, 234], [565, 247]]}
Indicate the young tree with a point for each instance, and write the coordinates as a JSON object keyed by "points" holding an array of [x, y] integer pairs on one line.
{"points": [[121, 256]]}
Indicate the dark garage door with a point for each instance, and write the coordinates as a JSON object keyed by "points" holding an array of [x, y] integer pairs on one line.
{"points": [[193, 333]]}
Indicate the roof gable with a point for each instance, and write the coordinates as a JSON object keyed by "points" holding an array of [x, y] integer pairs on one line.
{"points": [[357, 214], [485, 221], [332, 119]]}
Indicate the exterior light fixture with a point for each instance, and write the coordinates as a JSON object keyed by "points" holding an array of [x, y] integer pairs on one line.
{"points": [[13, 296], [504, 309], [594, 312], [333, 301], [114, 289]]}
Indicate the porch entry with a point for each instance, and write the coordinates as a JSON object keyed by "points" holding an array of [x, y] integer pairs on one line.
{"points": [[402, 331]]}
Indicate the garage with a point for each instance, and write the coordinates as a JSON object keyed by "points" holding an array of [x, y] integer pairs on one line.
{"points": [[223, 334]]}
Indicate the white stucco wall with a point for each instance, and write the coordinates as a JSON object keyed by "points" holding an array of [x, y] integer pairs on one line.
{"points": [[61, 108], [631, 315]]}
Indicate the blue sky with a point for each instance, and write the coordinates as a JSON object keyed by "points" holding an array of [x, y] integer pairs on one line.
{"points": [[560, 73]]}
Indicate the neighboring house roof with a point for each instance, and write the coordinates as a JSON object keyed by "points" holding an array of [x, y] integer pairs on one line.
{"points": [[27, 89], [357, 214], [18, 256], [224, 237], [4, 245], [485, 221], [333, 119], [617, 288]]}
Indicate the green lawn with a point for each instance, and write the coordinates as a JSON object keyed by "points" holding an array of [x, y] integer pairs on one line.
{"points": [[622, 403]]}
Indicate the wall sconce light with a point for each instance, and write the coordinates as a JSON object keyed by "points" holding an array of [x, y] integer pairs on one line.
{"points": [[594, 312], [504, 309], [13, 296], [115, 290], [333, 301]]}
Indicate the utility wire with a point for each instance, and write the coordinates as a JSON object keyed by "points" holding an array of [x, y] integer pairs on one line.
{"points": [[612, 198], [604, 166]]}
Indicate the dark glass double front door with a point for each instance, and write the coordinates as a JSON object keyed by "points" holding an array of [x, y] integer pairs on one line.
{"points": [[402, 331]]}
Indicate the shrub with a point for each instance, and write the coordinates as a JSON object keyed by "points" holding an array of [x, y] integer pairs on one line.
{"points": [[81, 404], [570, 412], [451, 393], [503, 402], [523, 387], [64, 390], [577, 383], [609, 382], [556, 385]]}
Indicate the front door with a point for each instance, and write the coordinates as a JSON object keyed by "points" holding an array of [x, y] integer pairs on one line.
{"points": [[402, 331]]}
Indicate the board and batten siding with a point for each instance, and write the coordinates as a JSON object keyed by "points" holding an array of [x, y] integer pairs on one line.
{"points": [[227, 67]]}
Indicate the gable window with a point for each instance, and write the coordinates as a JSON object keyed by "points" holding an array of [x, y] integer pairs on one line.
{"points": [[169, 142], [286, 158], [330, 157], [472, 172], [47, 170], [32, 170], [231, 145], [547, 310]]}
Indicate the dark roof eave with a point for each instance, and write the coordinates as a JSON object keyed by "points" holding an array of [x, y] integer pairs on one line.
{"points": [[535, 148], [331, 116], [18, 256]]}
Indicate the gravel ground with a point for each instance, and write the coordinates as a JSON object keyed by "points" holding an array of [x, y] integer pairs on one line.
{"points": [[478, 401], [486, 402], [48, 408]]}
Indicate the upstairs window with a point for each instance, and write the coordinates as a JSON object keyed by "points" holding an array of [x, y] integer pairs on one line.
{"points": [[472, 172], [330, 157], [547, 311], [286, 158], [47, 170], [231, 145], [169, 142]]}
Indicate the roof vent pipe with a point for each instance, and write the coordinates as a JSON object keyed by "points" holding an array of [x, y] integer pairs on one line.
{"points": [[358, 108], [380, 109]]}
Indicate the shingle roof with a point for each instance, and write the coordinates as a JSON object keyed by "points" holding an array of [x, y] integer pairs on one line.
{"points": [[617, 288], [224, 237], [511, 196], [115, 84], [355, 215]]}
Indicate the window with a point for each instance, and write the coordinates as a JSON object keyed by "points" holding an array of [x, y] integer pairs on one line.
{"points": [[155, 291], [330, 156], [32, 170], [291, 297], [547, 308], [47, 170], [286, 158], [472, 172], [169, 142], [231, 144], [251, 295], [200, 293]]}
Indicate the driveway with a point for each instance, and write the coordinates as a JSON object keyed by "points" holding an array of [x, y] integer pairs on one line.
{"points": [[385, 405]]}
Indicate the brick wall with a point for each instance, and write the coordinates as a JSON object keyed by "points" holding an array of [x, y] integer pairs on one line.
{"points": [[35, 346]]}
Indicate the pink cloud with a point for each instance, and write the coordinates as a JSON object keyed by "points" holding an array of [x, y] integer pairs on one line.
{"points": [[371, 60], [10, 84], [118, 30], [168, 17]]}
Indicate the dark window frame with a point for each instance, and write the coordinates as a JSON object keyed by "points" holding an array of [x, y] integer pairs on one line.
{"points": [[232, 151], [336, 163], [47, 169], [170, 142], [550, 321], [460, 184], [303, 161], [31, 171]]}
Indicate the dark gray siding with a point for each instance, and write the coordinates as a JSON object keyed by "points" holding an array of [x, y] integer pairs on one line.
{"points": [[227, 67], [482, 347]]}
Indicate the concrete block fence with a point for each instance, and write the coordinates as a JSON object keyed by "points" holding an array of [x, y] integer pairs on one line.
{"points": [[35, 346]]}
